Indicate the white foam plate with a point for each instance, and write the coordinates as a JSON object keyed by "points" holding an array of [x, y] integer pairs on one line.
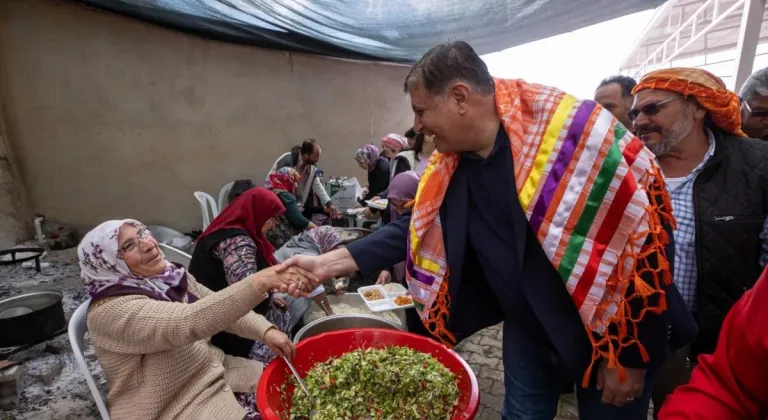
{"points": [[381, 305], [378, 204]]}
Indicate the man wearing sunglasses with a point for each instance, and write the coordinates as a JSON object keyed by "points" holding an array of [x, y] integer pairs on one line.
{"points": [[754, 105], [718, 183]]}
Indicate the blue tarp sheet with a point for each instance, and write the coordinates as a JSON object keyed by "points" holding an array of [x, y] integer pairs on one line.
{"points": [[385, 30]]}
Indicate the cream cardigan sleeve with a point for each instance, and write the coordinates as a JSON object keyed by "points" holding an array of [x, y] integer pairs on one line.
{"points": [[136, 324], [252, 326]]}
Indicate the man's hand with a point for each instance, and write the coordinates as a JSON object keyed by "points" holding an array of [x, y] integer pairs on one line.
{"points": [[311, 264], [616, 392], [384, 277], [294, 281], [279, 343], [322, 267]]}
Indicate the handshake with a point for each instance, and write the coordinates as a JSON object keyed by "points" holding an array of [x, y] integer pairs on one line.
{"points": [[301, 274]]}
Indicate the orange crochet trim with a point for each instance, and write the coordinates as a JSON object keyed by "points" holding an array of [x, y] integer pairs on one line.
{"points": [[437, 319], [621, 329]]}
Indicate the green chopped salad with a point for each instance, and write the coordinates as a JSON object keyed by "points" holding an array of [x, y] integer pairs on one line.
{"points": [[390, 383]]}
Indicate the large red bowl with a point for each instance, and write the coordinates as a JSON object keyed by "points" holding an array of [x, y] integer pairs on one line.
{"points": [[275, 405]]}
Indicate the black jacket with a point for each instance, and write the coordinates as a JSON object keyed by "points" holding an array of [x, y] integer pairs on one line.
{"points": [[553, 316], [730, 205], [378, 179]]}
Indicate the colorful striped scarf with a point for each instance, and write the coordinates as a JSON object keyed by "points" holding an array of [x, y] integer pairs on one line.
{"points": [[584, 183]]}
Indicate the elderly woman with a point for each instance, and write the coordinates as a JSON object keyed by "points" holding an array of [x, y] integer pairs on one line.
{"points": [[368, 159], [150, 323], [233, 248], [312, 242], [283, 184]]}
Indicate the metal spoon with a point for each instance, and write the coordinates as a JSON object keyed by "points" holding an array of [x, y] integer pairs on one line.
{"points": [[301, 384]]}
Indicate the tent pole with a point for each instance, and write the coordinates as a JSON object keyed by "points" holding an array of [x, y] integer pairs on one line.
{"points": [[749, 35]]}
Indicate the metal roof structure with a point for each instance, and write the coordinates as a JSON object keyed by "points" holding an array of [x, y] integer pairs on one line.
{"points": [[727, 37]]}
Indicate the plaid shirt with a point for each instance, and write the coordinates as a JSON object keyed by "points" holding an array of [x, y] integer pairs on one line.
{"points": [[686, 268]]}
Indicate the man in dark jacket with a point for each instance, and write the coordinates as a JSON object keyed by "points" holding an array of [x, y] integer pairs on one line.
{"points": [[310, 191], [485, 131], [718, 183], [754, 105]]}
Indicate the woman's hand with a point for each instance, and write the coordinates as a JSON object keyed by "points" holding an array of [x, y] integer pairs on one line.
{"points": [[279, 302], [384, 277], [368, 214], [293, 280], [279, 343]]}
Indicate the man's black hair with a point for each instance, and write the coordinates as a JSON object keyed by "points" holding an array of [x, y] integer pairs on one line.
{"points": [[308, 146], [625, 82]]}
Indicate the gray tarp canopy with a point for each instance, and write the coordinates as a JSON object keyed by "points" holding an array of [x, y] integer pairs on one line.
{"points": [[386, 30]]}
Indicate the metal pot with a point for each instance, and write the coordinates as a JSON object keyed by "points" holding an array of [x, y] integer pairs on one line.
{"points": [[344, 322], [30, 318], [349, 235]]}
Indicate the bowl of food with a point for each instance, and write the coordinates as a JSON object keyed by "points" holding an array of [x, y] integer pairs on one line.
{"points": [[370, 373]]}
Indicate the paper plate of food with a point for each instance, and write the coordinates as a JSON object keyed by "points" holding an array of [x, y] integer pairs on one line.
{"points": [[378, 299], [378, 204]]}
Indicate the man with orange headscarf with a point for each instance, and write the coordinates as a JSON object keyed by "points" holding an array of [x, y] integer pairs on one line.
{"points": [[717, 180]]}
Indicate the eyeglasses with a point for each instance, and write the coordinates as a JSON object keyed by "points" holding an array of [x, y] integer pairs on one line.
{"points": [[132, 245], [760, 113], [650, 109]]}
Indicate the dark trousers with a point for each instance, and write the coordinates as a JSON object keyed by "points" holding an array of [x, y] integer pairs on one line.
{"points": [[674, 372], [534, 377]]}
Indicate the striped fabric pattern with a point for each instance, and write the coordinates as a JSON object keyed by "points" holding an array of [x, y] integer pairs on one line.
{"points": [[580, 177]]}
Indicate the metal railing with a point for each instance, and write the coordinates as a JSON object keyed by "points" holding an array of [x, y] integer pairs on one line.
{"points": [[689, 31]]}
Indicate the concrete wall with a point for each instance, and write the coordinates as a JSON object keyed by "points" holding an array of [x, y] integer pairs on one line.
{"points": [[110, 117], [14, 226]]}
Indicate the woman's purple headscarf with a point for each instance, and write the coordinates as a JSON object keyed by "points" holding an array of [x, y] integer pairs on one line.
{"points": [[403, 187]]}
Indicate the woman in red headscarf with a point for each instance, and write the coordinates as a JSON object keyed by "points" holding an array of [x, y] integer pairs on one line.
{"points": [[233, 247], [283, 183]]}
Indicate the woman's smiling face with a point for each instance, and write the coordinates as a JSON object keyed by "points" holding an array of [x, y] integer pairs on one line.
{"points": [[140, 251]]}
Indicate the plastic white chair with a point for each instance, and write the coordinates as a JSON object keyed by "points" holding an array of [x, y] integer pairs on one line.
{"points": [[206, 201], [77, 329], [223, 195], [176, 255]]}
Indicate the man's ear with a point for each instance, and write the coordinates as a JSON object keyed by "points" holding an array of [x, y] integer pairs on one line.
{"points": [[459, 94]]}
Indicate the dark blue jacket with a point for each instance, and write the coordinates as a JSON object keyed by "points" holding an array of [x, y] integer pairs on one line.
{"points": [[475, 307]]}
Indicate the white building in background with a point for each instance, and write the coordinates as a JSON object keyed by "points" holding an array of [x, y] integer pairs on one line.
{"points": [[726, 37]]}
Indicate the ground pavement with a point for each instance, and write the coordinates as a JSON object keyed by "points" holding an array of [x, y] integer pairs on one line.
{"points": [[483, 353]]}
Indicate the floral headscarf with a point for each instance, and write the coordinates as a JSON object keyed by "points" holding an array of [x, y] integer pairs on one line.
{"points": [[105, 274], [312, 242], [368, 154], [325, 237], [395, 142], [283, 179]]}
